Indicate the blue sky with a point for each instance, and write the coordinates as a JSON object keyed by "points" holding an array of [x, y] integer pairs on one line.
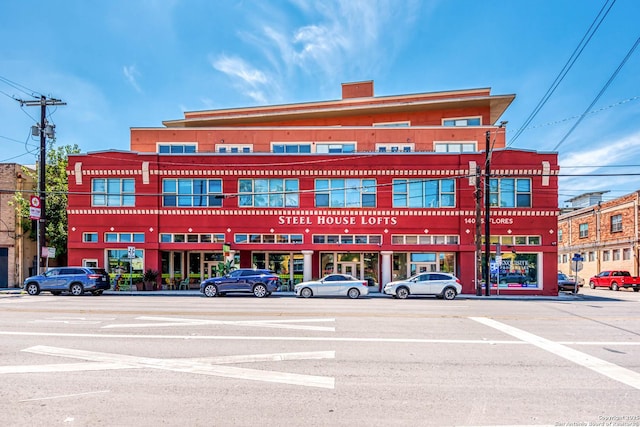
{"points": [[134, 63]]}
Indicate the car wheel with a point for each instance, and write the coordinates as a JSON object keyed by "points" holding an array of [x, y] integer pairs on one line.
{"points": [[592, 285], [55, 292], [76, 289], [614, 286], [636, 289], [259, 290], [402, 293], [210, 291], [33, 289], [449, 293], [353, 293], [306, 293]]}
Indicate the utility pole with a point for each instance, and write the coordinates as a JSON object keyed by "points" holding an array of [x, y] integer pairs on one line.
{"points": [[487, 230], [45, 131], [478, 273]]}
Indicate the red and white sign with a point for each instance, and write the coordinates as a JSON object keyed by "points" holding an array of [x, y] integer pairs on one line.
{"points": [[34, 207]]}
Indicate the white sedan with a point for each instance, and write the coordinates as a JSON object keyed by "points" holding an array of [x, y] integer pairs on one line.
{"points": [[442, 285], [333, 285]]}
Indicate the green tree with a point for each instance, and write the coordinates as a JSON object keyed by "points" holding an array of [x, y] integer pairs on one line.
{"points": [[56, 187]]}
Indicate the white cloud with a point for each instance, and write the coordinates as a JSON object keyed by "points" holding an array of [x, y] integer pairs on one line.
{"points": [[250, 80], [132, 74]]}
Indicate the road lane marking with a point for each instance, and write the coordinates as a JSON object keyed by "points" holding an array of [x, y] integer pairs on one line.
{"points": [[202, 366], [613, 371], [64, 396], [279, 324]]}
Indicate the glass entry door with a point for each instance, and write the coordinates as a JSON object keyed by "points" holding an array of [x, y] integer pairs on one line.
{"points": [[423, 267], [351, 268]]}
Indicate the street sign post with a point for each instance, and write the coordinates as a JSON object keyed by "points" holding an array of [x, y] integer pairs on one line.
{"points": [[577, 266], [131, 254]]}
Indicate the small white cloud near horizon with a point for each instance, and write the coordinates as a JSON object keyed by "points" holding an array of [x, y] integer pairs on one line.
{"points": [[250, 80], [132, 74]]}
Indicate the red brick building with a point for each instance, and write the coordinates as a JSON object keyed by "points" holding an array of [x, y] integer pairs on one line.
{"points": [[378, 187]]}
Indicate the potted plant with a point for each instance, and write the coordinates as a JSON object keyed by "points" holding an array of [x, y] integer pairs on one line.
{"points": [[150, 278]]}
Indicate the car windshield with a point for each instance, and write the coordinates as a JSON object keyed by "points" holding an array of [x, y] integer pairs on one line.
{"points": [[561, 276]]}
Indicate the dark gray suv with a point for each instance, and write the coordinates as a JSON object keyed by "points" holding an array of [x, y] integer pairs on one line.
{"points": [[75, 280], [259, 282]]}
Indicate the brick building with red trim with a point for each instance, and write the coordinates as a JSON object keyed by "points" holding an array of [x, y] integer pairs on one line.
{"points": [[377, 187]]}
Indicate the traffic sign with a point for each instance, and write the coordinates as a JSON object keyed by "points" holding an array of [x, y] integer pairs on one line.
{"points": [[577, 257], [576, 266], [131, 251], [34, 207]]}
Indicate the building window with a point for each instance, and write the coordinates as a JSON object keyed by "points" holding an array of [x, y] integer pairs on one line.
{"points": [[564, 258], [287, 147], [626, 254], [345, 193], [192, 192], [454, 147], [592, 256], [268, 238], [276, 193], [510, 192], [462, 121], [606, 256], [177, 148], [559, 236], [425, 193], [90, 237], [616, 223], [584, 230], [347, 239], [124, 237], [234, 148], [392, 124], [616, 254], [113, 192], [335, 148], [401, 239], [395, 147], [191, 238]]}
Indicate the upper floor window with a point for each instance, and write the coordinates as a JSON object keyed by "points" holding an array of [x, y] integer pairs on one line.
{"points": [[192, 192], [113, 192], [395, 147], [124, 237], [559, 235], [89, 237], [454, 147], [510, 192], [336, 148], [462, 121], [287, 147], [584, 230], [392, 124], [424, 193], [233, 148], [616, 223], [345, 193], [277, 193], [177, 148]]}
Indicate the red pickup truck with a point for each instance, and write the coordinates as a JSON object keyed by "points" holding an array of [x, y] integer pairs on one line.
{"points": [[615, 279]]}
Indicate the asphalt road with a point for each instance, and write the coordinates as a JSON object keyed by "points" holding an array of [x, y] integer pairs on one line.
{"points": [[143, 360]]}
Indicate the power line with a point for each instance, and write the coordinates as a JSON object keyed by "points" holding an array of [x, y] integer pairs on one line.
{"points": [[604, 88], [20, 88], [567, 66]]}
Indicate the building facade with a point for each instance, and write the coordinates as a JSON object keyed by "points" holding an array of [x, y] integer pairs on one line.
{"points": [[604, 233], [377, 187], [17, 248]]}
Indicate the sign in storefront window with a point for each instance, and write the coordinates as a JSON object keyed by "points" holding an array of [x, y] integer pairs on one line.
{"points": [[515, 271]]}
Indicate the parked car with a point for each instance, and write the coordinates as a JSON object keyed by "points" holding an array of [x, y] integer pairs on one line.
{"points": [[567, 284], [442, 285], [514, 278], [259, 282], [75, 280], [614, 280], [333, 285]]}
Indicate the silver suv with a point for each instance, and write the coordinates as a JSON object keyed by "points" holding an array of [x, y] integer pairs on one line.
{"points": [[75, 280]]}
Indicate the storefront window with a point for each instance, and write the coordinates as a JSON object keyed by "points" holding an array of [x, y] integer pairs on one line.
{"points": [[118, 259], [194, 263], [326, 264], [259, 260], [371, 269], [515, 271], [400, 269]]}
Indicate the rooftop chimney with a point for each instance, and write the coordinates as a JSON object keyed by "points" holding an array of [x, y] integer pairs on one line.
{"points": [[357, 90]]}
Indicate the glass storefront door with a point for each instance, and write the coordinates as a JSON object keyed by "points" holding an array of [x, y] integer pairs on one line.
{"points": [[350, 268], [423, 267]]}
